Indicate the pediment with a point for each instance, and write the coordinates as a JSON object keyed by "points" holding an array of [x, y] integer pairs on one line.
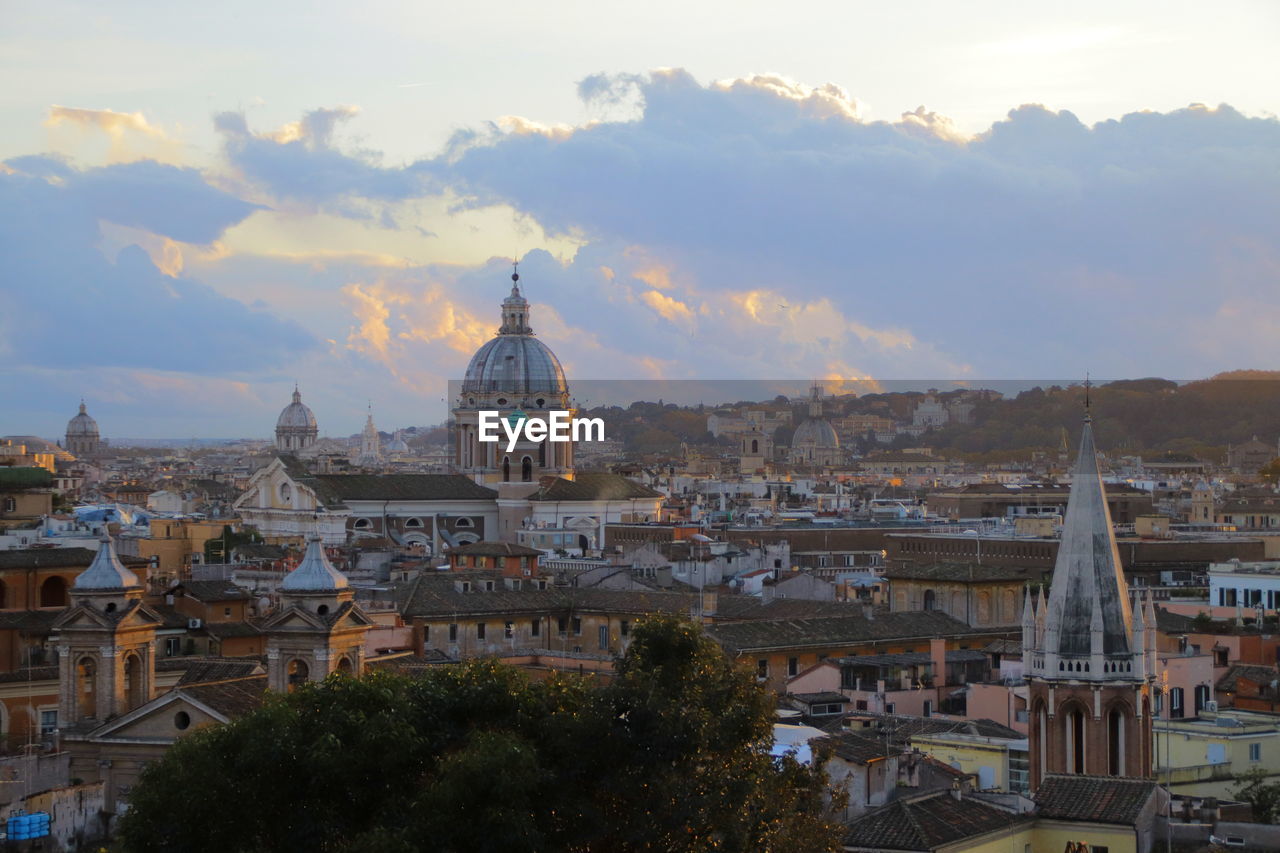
{"points": [[294, 617], [81, 617]]}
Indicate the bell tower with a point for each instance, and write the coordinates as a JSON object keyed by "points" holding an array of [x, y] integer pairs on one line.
{"points": [[106, 644], [318, 628], [1090, 649]]}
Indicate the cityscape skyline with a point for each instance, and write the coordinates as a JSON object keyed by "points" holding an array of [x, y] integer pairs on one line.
{"points": [[194, 256]]}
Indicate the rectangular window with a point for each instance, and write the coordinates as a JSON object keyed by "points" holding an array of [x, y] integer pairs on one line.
{"points": [[48, 722], [171, 646], [603, 636], [226, 611], [1255, 752], [535, 628], [577, 626], [860, 705], [426, 634], [625, 628], [509, 630], [453, 633], [890, 708], [762, 668], [488, 586], [793, 667], [479, 630], [928, 708], [563, 625]]}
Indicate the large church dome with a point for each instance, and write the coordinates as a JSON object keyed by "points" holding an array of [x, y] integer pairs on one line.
{"points": [[515, 362], [297, 414], [815, 432], [82, 425]]}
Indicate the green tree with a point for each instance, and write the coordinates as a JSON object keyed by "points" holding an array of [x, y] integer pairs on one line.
{"points": [[672, 755], [1253, 788], [1270, 473]]}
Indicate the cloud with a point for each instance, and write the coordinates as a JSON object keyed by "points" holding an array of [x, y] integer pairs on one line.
{"points": [[70, 306], [1040, 236], [301, 163], [130, 135]]}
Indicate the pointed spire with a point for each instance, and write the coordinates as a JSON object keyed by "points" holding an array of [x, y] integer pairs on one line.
{"points": [[106, 572], [1088, 586], [315, 573], [1042, 613], [297, 395]]}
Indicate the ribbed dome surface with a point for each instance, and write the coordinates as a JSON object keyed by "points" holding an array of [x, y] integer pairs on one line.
{"points": [[82, 425], [515, 364], [815, 433], [296, 414]]}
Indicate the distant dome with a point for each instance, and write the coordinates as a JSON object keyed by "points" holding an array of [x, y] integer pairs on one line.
{"points": [[815, 432], [515, 362], [296, 415], [82, 426], [35, 444]]}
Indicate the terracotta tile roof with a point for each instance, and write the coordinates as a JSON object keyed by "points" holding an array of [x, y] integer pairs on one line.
{"points": [[854, 747], [55, 558], [232, 698], [924, 823], [406, 487], [219, 669], [32, 673], [1262, 675], [961, 572], [30, 621], [488, 548], [210, 591], [855, 627], [594, 487], [1096, 799], [437, 595]]}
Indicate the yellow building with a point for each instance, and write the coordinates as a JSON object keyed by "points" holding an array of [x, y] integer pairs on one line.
{"points": [[173, 542], [1203, 756], [998, 763]]}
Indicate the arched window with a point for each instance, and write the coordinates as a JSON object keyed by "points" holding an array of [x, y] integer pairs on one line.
{"points": [[345, 666], [86, 689], [362, 524], [1073, 735], [755, 446], [53, 592], [463, 521], [1115, 742], [526, 470], [413, 522], [506, 469], [930, 600], [133, 688], [297, 673]]}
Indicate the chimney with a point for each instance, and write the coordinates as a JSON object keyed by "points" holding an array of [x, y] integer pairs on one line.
{"points": [[709, 601], [938, 658]]}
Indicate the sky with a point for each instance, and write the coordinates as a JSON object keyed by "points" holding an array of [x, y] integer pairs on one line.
{"points": [[201, 206]]}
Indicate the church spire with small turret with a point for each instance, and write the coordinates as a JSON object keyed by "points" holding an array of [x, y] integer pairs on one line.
{"points": [[1088, 660]]}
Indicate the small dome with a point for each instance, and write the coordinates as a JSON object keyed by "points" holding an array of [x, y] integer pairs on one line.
{"points": [[516, 364], [815, 432], [106, 572], [315, 573], [82, 425], [296, 415]]}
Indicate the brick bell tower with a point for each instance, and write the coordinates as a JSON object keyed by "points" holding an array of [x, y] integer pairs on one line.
{"points": [[1090, 650]]}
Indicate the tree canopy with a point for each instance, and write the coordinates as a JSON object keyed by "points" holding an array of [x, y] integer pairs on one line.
{"points": [[672, 754]]}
